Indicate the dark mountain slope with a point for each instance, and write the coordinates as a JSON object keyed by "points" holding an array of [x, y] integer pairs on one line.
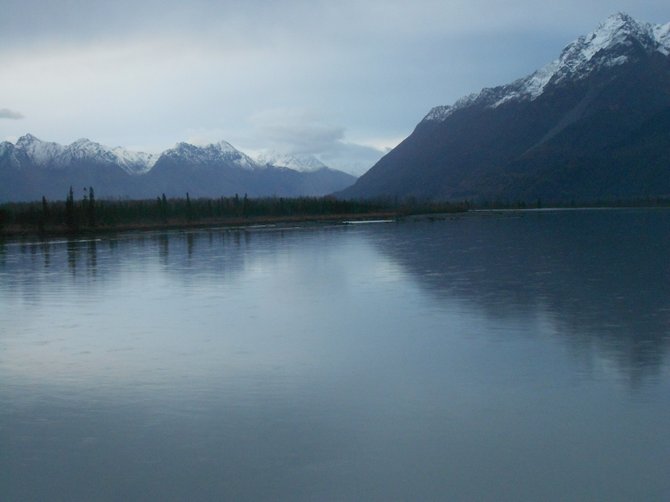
{"points": [[588, 126]]}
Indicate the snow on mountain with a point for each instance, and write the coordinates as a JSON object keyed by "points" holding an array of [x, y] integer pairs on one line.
{"points": [[46, 154], [50, 155], [134, 162], [662, 35], [222, 152], [84, 149], [41, 153], [609, 45], [295, 161], [8, 154], [6, 148]]}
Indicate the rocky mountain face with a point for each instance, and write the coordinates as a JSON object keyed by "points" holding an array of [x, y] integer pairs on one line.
{"points": [[32, 168], [592, 125]]}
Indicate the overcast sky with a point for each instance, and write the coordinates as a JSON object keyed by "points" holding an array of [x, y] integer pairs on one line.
{"points": [[344, 80]]}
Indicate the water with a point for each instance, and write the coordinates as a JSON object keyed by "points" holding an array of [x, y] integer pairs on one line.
{"points": [[519, 356]]}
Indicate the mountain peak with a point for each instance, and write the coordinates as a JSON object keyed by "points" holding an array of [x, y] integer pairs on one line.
{"points": [[40, 152], [617, 30], [134, 162], [609, 45], [84, 141], [224, 146], [295, 161], [221, 152], [86, 146], [621, 18], [26, 139]]}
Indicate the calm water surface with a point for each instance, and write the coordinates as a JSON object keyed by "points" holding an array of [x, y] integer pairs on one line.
{"points": [[521, 356]]}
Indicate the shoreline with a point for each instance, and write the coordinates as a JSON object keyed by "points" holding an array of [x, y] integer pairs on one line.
{"points": [[232, 222], [240, 222]]}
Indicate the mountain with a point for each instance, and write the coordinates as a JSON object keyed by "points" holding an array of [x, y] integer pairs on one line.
{"points": [[318, 177], [591, 125], [218, 169], [32, 168], [215, 155], [295, 161], [43, 154]]}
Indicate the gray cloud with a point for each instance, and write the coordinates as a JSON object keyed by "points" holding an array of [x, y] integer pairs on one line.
{"points": [[304, 132], [154, 72], [349, 21], [296, 131], [350, 157], [6, 113]]}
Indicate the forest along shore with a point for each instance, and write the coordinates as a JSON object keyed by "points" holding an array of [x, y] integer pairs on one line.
{"points": [[89, 215]]}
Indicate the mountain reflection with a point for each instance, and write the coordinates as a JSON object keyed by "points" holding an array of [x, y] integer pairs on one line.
{"points": [[601, 277]]}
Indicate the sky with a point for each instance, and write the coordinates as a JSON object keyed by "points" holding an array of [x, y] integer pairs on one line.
{"points": [[345, 81]]}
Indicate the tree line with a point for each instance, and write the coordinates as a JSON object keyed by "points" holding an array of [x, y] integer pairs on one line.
{"points": [[90, 214]]}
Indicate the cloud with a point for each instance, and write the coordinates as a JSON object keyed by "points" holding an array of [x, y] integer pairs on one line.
{"points": [[6, 113], [331, 79], [295, 130], [349, 20], [302, 131], [351, 157]]}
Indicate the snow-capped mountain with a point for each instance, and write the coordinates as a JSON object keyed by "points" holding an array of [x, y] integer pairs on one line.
{"points": [[34, 152], [296, 161], [40, 153], [134, 162], [222, 169], [32, 168], [591, 125], [84, 150], [613, 43], [221, 153]]}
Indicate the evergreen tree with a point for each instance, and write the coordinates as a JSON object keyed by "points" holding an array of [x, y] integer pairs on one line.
{"points": [[189, 212], [70, 221], [164, 208], [90, 210], [45, 214]]}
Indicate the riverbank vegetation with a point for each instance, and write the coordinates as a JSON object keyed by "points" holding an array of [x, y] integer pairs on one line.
{"points": [[89, 214]]}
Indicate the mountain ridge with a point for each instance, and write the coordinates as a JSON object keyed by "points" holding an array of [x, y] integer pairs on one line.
{"points": [[577, 60], [32, 168], [551, 135]]}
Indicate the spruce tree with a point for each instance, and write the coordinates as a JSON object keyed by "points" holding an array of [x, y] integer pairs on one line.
{"points": [[45, 214], [69, 210], [189, 214], [90, 210], [164, 208]]}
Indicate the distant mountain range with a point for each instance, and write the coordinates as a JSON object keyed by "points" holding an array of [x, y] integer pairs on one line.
{"points": [[32, 168], [592, 125]]}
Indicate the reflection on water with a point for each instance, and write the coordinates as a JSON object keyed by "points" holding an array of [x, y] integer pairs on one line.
{"points": [[487, 357], [603, 277]]}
